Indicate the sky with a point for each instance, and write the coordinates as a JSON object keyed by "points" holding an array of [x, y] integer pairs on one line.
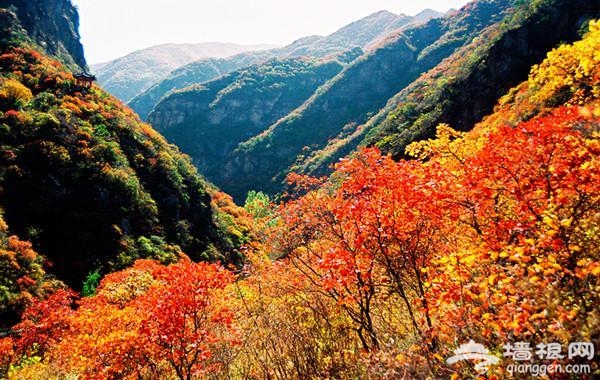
{"points": [[114, 28]]}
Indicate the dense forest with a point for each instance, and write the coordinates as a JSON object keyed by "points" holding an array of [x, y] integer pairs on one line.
{"points": [[444, 220]]}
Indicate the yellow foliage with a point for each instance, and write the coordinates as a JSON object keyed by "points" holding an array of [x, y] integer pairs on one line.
{"points": [[569, 75], [13, 94], [574, 68], [441, 145]]}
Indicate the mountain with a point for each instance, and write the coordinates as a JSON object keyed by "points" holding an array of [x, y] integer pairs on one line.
{"points": [[447, 70], [127, 76], [377, 271], [333, 112], [86, 182], [359, 34], [52, 24], [466, 85], [465, 88], [194, 73], [211, 119]]}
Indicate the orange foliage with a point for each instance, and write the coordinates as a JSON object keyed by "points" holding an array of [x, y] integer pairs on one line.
{"points": [[386, 267], [492, 239], [149, 320], [22, 274]]}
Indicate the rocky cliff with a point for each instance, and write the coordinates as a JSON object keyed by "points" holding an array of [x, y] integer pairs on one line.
{"points": [[53, 25]]}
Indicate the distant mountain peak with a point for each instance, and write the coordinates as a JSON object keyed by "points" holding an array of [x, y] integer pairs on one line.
{"points": [[426, 15], [359, 34], [382, 12], [428, 11], [213, 49]]}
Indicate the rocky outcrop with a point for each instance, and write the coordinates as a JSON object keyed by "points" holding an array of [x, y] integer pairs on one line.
{"points": [[52, 24]]}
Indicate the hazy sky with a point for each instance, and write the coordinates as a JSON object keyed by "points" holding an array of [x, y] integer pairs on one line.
{"points": [[113, 28]]}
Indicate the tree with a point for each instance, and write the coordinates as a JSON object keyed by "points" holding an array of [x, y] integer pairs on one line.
{"points": [[187, 322], [147, 321], [371, 231]]}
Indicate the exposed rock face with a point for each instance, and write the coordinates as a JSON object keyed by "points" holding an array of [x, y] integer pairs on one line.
{"points": [[54, 25]]}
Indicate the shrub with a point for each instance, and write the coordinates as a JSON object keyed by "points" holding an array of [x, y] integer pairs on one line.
{"points": [[13, 95]]}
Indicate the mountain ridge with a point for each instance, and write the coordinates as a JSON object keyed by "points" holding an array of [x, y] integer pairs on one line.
{"points": [[495, 67], [361, 33], [345, 101], [335, 119], [133, 73], [228, 110]]}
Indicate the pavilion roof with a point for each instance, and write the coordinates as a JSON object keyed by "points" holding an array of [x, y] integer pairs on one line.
{"points": [[85, 76]]}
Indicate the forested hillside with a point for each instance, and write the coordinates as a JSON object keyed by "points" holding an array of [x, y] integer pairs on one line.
{"points": [[88, 184], [208, 121], [465, 86], [489, 61], [307, 137], [197, 72]]}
